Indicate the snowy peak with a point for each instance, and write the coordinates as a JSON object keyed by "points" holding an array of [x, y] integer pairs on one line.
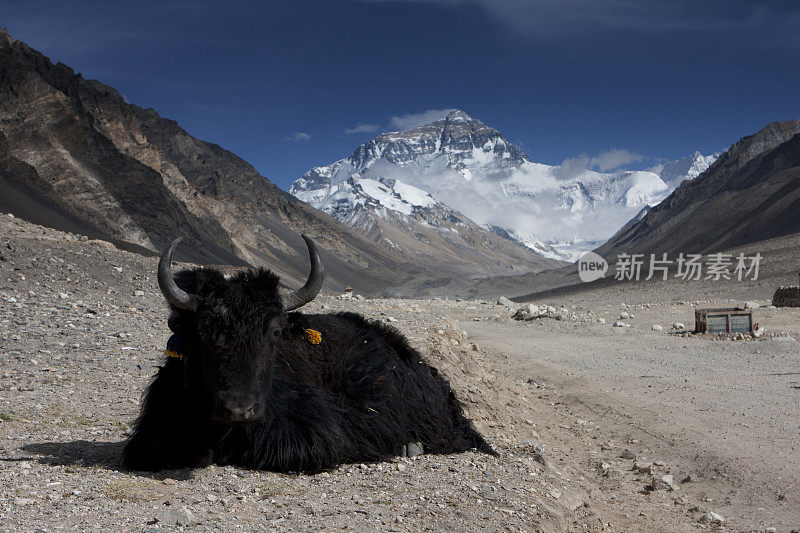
{"points": [[383, 193], [458, 164], [457, 136], [686, 168]]}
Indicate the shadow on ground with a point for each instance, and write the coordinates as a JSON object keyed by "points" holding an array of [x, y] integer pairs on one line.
{"points": [[84, 453]]}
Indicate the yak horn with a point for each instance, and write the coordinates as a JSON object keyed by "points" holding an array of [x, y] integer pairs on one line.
{"points": [[295, 299], [166, 283]]}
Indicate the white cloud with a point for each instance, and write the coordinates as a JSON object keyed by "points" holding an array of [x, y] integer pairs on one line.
{"points": [[362, 128], [412, 120], [572, 166], [300, 136], [604, 162], [611, 159]]}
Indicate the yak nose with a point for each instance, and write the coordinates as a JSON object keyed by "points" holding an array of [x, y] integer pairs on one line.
{"points": [[232, 407]]}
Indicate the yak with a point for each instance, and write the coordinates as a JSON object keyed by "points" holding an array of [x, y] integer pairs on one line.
{"points": [[251, 382]]}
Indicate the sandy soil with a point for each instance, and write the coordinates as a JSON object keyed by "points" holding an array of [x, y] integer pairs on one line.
{"points": [[724, 413], [571, 405]]}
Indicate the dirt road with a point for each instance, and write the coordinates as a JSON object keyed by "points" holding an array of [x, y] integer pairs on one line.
{"points": [[725, 413]]}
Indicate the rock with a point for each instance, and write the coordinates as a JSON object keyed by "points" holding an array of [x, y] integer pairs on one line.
{"points": [[401, 467], [662, 482], [391, 319], [752, 305], [138, 293], [678, 326], [613, 473], [527, 312], [645, 468], [627, 454], [781, 338], [414, 449], [624, 315], [656, 327], [21, 502], [601, 320], [505, 302], [619, 324], [176, 517], [711, 518]]}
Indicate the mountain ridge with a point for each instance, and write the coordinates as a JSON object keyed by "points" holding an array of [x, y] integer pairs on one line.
{"points": [[751, 193], [473, 170], [76, 156], [74, 153]]}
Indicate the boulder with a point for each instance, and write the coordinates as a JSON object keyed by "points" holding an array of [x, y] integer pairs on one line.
{"points": [[505, 302], [711, 518], [661, 482]]}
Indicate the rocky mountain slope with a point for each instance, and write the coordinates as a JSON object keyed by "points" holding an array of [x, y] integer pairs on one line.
{"points": [[75, 155], [407, 220], [458, 163], [751, 193]]}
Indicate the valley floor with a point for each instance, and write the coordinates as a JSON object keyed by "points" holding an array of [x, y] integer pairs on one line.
{"points": [[567, 403]]}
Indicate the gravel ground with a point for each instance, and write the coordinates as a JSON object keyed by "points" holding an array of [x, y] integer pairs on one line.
{"points": [[83, 328]]}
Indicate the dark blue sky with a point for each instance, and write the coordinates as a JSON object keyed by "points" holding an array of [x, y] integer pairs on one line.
{"points": [[280, 83]]}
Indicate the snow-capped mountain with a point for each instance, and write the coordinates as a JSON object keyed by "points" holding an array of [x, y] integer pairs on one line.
{"points": [[457, 166], [687, 168]]}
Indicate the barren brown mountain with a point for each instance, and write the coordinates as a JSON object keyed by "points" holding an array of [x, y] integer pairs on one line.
{"points": [[750, 194], [74, 155]]}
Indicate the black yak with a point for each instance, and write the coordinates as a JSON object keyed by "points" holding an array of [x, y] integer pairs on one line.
{"points": [[247, 382]]}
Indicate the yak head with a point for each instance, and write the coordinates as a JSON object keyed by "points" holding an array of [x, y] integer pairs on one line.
{"points": [[229, 330]]}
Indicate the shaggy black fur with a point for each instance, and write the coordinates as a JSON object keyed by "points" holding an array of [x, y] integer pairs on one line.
{"points": [[359, 395]]}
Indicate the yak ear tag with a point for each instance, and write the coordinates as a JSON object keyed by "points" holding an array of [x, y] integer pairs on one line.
{"points": [[313, 336], [175, 347]]}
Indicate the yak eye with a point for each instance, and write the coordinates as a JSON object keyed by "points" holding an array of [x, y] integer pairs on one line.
{"points": [[276, 333]]}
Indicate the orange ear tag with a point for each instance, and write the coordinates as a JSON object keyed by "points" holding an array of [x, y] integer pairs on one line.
{"points": [[313, 336]]}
